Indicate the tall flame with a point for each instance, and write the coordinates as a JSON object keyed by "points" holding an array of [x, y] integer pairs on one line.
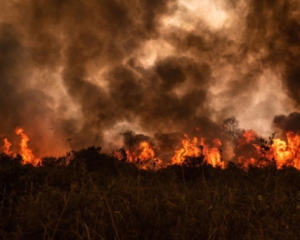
{"points": [[25, 152], [213, 155], [189, 148]]}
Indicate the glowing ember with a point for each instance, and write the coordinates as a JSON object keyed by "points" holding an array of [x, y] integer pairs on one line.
{"points": [[25, 152]]}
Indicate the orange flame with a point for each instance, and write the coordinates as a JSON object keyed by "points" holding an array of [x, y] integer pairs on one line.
{"points": [[6, 147], [147, 156], [190, 148], [147, 152], [213, 155], [250, 152], [26, 153], [287, 153], [280, 152], [144, 156]]}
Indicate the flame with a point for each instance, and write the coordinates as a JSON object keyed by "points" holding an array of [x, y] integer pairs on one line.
{"points": [[6, 147], [213, 155], [25, 152], [250, 152], [287, 153], [280, 152], [147, 152], [191, 148], [144, 156], [147, 156]]}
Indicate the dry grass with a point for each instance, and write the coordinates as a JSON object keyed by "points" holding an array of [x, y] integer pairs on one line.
{"points": [[100, 199]]}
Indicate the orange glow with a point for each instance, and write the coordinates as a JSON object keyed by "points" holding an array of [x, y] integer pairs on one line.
{"points": [[6, 147], [25, 152], [246, 163], [247, 137], [278, 152]]}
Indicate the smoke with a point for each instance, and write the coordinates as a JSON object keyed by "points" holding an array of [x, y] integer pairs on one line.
{"points": [[290, 123], [90, 70]]}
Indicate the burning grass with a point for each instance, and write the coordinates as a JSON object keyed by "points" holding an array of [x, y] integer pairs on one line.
{"points": [[249, 150], [91, 195]]}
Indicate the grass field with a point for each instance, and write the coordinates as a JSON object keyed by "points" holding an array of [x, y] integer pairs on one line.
{"points": [[96, 196]]}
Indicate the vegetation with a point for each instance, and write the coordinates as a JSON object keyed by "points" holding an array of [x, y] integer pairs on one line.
{"points": [[91, 195]]}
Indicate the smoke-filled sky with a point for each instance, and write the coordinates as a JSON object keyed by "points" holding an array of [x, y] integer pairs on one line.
{"points": [[90, 70]]}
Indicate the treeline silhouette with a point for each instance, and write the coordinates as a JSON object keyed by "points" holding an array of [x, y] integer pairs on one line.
{"points": [[88, 194]]}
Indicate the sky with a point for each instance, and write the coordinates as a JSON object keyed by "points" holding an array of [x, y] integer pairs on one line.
{"points": [[92, 70]]}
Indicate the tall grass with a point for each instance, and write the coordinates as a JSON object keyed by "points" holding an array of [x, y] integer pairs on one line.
{"points": [[96, 196]]}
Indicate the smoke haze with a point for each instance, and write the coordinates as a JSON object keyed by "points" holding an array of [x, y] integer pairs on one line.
{"points": [[90, 70]]}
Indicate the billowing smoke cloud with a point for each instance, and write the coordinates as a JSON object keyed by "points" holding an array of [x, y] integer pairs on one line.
{"points": [[290, 123], [274, 27], [92, 70]]}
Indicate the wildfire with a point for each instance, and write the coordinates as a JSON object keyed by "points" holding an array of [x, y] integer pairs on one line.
{"points": [[213, 155], [6, 147], [277, 151], [147, 152], [191, 148], [287, 153], [144, 156], [249, 152], [25, 152]]}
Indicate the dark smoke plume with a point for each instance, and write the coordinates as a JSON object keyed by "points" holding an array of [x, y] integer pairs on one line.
{"points": [[90, 70], [290, 123]]}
